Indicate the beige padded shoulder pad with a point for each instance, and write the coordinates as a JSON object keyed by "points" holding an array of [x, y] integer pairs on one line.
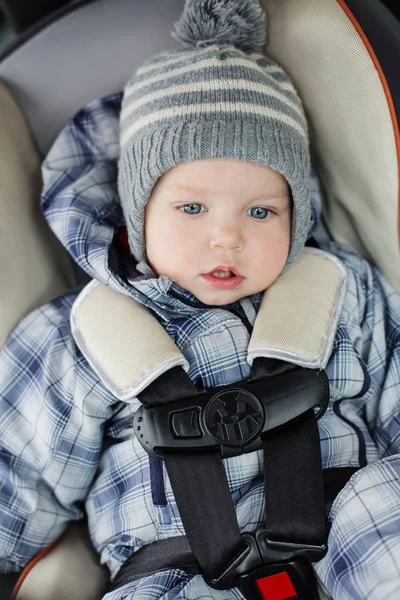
{"points": [[122, 341], [299, 313]]}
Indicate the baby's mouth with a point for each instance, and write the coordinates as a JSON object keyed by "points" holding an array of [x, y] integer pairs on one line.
{"points": [[223, 274], [224, 278]]}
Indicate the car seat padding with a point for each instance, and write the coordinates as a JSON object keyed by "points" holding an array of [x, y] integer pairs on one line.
{"points": [[34, 267]]}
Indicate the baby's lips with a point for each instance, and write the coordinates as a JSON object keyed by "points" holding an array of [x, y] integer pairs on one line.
{"points": [[225, 269]]}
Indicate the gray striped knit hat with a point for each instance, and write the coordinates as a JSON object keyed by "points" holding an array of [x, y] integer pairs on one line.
{"points": [[219, 98]]}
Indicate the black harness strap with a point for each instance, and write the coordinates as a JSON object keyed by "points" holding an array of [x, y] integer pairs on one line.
{"points": [[171, 553], [294, 494], [205, 505], [171, 385], [293, 477], [199, 482]]}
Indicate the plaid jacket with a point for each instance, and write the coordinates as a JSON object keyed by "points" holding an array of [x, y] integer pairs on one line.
{"points": [[66, 443]]}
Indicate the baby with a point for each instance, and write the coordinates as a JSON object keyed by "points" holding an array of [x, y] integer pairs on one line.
{"points": [[213, 192]]}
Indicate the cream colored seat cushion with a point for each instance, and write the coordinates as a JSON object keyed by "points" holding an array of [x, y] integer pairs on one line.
{"points": [[34, 267], [69, 571], [351, 126]]}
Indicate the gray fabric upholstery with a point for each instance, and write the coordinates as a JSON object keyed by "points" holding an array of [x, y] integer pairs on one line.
{"points": [[88, 53]]}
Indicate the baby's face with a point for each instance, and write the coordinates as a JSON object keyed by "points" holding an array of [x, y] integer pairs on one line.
{"points": [[220, 228]]}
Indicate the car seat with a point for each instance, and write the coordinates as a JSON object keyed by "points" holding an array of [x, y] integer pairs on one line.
{"points": [[342, 57]]}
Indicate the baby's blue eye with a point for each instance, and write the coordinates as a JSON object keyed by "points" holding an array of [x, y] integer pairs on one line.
{"points": [[259, 213], [191, 209]]}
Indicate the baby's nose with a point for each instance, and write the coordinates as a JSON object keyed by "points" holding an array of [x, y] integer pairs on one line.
{"points": [[229, 237]]}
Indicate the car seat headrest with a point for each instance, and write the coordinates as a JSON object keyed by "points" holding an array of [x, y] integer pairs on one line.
{"points": [[353, 126]]}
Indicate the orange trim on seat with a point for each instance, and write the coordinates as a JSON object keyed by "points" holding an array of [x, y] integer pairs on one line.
{"points": [[387, 93], [32, 564]]}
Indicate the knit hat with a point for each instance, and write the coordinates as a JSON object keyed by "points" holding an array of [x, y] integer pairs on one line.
{"points": [[219, 98]]}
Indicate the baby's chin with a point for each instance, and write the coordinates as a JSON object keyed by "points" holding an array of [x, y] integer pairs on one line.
{"points": [[206, 294], [218, 297]]}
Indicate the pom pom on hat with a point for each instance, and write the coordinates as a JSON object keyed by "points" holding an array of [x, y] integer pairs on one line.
{"points": [[240, 23]]}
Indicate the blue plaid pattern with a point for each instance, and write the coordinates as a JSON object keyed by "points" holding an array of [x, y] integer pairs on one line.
{"points": [[67, 445]]}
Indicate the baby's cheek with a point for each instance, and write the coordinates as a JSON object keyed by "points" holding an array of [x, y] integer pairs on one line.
{"points": [[183, 259]]}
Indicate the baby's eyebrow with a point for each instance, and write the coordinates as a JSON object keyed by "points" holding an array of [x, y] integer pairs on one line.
{"points": [[191, 189], [204, 192], [271, 196]]}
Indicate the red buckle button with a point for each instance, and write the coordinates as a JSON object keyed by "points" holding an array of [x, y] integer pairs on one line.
{"points": [[276, 587]]}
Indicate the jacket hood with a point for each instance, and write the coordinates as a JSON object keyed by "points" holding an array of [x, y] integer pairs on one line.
{"points": [[81, 204]]}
